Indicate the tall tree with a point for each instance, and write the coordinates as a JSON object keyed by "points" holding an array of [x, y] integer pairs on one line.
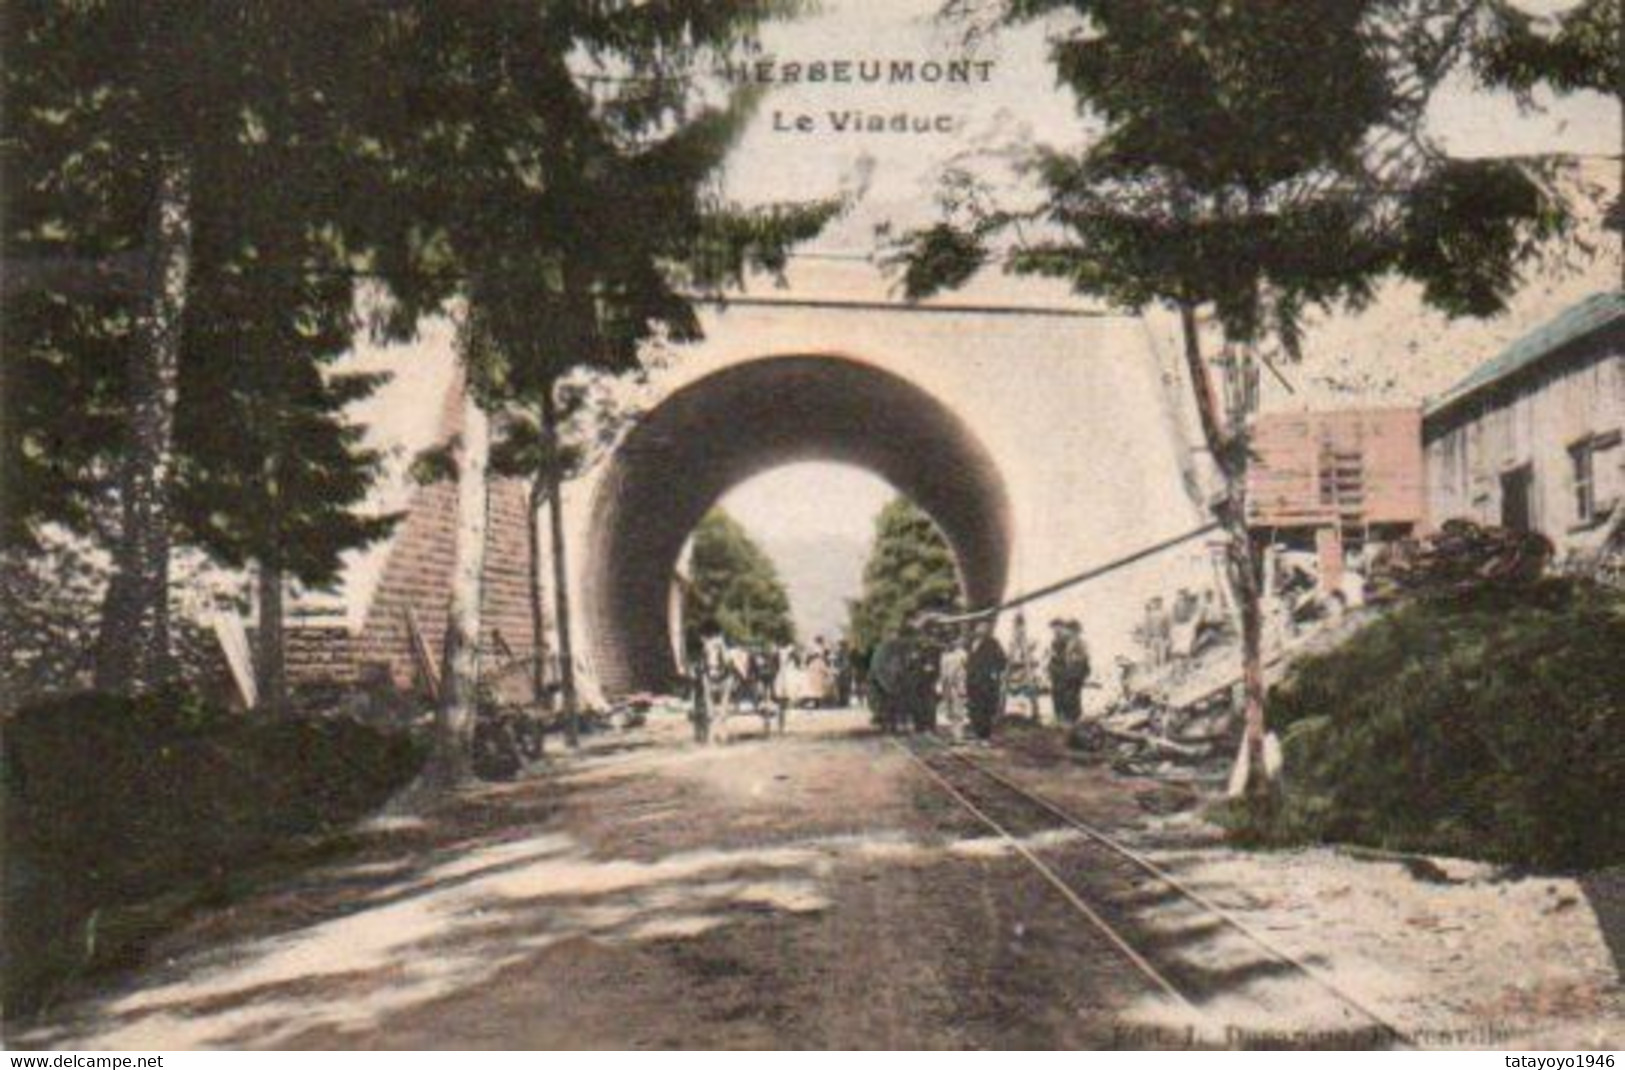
{"points": [[271, 473], [566, 155], [733, 586], [269, 469], [131, 147], [911, 569], [1258, 159], [134, 647]]}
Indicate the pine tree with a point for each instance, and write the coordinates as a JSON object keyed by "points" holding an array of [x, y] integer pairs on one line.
{"points": [[733, 586], [141, 147], [911, 569], [271, 473], [583, 207]]}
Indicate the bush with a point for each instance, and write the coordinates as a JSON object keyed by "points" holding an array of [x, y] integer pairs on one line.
{"points": [[1488, 724], [111, 803]]}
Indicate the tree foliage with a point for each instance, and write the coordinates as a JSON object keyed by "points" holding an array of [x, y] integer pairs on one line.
{"points": [[1583, 50], [256, 101], [564, 161], [733, 586], [911, 568], [550, 163], [1257, 159]]}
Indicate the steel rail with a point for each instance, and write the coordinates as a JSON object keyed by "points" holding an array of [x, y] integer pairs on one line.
{"points": [[1113, 844], [1067, 892]]}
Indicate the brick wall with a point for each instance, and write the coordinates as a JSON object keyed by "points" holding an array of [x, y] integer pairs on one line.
{"points": [[317, 654], [418, 576]]}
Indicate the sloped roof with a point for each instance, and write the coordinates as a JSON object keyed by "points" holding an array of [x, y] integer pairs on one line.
{"points": [[1576, 322]]}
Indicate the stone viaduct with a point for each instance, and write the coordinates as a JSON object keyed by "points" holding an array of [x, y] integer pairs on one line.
{"points": [[1043, 436]]}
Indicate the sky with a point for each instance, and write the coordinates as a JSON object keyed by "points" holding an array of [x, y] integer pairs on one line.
{"points": [[811, 509], [1020, 99], [815, 497], [816, 521]]}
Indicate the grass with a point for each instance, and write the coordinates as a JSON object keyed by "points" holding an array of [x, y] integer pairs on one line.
{"points": [[1485, 724]]}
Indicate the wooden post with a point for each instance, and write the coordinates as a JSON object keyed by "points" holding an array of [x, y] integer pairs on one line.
{"points": [[561, 572], [1230, 457]]}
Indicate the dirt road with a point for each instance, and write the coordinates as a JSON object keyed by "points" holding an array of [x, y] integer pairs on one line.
{"points": [[813, 891]]}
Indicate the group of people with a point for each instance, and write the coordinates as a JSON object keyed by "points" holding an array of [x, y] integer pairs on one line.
{"points": [[759, 675], [1178, 630], [931, 673], [818, 675], [963, 673], [924, 667]]}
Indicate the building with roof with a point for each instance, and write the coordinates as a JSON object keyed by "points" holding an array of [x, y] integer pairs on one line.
{"points": [[1335, 482], [1530, 439]]}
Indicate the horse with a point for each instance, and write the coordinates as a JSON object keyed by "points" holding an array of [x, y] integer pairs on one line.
{"points": [[713, 685], [732, 683]]}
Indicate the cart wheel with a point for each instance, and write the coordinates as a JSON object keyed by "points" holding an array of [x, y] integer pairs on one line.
{"points": [[532, 741]]}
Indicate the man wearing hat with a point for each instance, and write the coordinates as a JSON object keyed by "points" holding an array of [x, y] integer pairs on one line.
{"points": [[1068, 669], [984, 680]]}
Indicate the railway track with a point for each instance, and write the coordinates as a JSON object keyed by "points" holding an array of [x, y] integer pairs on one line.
{"points": [[1237, 985]]}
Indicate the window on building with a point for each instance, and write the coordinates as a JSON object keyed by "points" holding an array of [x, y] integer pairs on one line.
{"points": [[1582, 460], [1593, 467]]}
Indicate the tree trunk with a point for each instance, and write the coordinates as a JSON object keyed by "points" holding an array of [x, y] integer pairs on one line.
{"points": [[270, 655], [133, 653], [1244, 574], [561, 585], [454, 716], [538, 605], [1230, 457]]}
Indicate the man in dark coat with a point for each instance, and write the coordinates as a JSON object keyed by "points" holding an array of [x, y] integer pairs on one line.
{"points": [[984, 681], [889, 679], [924, 664], [1068, 670], [858, 674], [843, 674]]}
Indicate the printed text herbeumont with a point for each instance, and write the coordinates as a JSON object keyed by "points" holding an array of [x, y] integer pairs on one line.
{"points": [[860, 71]]}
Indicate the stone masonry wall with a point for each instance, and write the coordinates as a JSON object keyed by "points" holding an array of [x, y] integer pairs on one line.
{"points": [[418, 576]]}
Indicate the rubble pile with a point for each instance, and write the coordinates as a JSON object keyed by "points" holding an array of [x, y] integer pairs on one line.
{"points": [[1151, 738], [1178, 722], [1460, 555], [1182, 721]]}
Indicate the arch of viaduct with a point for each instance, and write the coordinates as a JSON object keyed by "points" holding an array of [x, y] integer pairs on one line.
{"points": [[1042, 440]]}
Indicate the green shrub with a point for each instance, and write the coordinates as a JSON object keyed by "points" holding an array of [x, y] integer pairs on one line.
{"points": [[110, 803], [1486, 724]]}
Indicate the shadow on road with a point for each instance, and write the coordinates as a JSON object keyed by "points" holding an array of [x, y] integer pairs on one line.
{"points": [[1605, 891]]}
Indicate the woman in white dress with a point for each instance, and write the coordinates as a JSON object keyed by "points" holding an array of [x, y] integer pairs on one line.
{"points": [[818, 678], [788, 687]]}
